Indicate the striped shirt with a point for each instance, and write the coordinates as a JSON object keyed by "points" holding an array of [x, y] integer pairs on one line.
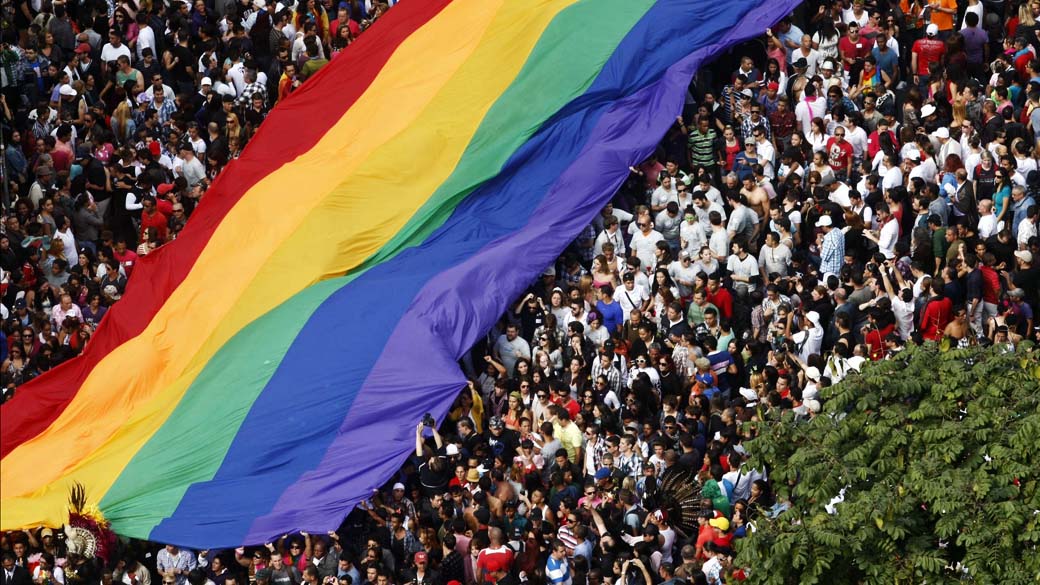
{"points": [[557, 572], [702, 148]]}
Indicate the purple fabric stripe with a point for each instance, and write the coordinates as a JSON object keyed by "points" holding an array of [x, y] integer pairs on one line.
{"points": [[460, 303]]}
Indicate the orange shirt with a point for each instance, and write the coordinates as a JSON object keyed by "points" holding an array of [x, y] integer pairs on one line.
{"points": [[941, 19]]}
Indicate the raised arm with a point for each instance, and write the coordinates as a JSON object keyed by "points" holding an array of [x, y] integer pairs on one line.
{"points": [[418, 440]]}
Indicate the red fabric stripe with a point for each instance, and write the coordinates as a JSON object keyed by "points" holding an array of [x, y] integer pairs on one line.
{"points": [[291, 129]]}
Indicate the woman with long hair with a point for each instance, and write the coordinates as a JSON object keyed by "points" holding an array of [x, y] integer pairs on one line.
{"points": [[602, 275], [826, 38], [546, 343], [731, 146], [234, 129], [1001, 194], [48, 48], [122, 122], [818, 137], [340, 40], [126, 23], [776, 74], [16, 367], [576, 377], [663, 291], [515, 411]]}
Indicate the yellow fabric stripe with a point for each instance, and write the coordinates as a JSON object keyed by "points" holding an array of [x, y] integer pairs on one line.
{"points": [[394, 163]]}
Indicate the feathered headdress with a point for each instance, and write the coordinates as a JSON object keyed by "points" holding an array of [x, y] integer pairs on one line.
{"points": [[87, 532], [679, 499]]}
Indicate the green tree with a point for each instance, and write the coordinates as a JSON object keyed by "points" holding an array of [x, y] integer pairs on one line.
{"points": [[939, 456]]}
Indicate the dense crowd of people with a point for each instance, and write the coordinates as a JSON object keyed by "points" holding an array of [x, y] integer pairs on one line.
{"points": [[864, 177]]}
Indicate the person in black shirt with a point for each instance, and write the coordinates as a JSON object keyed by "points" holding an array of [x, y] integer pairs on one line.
{"points": [[435, 473]]}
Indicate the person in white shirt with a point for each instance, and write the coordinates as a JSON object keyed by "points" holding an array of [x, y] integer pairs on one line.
{"points": [[860, 208], [145, 36], [806, 51], [610, 234], [902, 304], [929, 168], [114, 48], [743, 268], [888, 234], [766, 153], [692, 235], [684, 272], [808, 108], [236, 74], [703, 206], [710, 191], [644, 242], [190, 167], [630, 296], [774, 257], [947, 146], [891, 174], [663, 194], [718, 242], [810, 339], [912, 165], [987, 220], [839, 193]]}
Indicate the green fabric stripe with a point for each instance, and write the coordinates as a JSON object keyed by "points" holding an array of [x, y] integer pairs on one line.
{"points": [[208, 417]]}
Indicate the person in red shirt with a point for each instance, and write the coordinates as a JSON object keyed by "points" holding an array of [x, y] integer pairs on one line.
{"points": [[853, 47], [874, 140], [990, 286], [719, 296], [127, 258], [839, 155], [563, 398], [705, 533], [877, 331], [925, 52], [343, 17], [151, 217], [494, 559], [937, 313], [722, 537]]}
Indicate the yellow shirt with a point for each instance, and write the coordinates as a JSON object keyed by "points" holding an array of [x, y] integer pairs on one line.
{"points": [[570, 438]]}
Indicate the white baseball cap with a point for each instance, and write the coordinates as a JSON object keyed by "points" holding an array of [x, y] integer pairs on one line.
{"points": [[932, 30]]}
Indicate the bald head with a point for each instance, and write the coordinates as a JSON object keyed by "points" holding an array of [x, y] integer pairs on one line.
{"points": [[496, 536]]}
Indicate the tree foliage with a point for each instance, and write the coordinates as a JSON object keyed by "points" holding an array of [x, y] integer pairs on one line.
{"points": [[939, 456]]}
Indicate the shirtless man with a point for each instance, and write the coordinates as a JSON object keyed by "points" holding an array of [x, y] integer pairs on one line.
{"points": [[959, 330], [758, 199]]}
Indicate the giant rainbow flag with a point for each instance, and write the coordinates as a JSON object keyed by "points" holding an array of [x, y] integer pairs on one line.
{"points": [[265, 371]]}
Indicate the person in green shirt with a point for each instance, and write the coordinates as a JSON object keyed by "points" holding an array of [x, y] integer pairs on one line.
{"points": [[700, 304], [703, 142], [938, 240], [314, 59]]}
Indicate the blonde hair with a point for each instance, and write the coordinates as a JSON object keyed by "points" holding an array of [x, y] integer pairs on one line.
{"points": [[1025, 15], [119, 120]]}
